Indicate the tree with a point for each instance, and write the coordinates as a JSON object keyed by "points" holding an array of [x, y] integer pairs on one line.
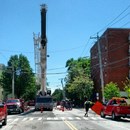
{"points": [[57, 95], [24, 79], [78, 82], [127, 86], [111, 90]]}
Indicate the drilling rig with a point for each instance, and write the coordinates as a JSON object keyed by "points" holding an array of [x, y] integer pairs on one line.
{"points": [[40, 50]]}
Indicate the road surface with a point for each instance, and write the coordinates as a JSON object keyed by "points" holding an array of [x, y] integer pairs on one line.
{"points": [[67, 120]]}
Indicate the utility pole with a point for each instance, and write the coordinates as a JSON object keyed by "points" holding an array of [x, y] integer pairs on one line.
{"points": [[100, 66], [12, 81]]}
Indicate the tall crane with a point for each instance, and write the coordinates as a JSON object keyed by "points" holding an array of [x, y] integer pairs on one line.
{"points": [[43, 48], [40, 50]]}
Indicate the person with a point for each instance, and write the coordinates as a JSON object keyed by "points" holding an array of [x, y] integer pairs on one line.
{"points": [[87, 105]]}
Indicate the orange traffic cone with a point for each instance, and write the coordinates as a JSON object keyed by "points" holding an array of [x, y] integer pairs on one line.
{"points": [[41, 109], [62, 108]]}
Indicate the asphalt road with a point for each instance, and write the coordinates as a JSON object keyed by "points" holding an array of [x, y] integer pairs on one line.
{"points": [[67, 120]]}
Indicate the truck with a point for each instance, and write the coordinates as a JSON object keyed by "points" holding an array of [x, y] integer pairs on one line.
{"points": [[14, 106], [3, 113], [44, 102], [116, 108]]}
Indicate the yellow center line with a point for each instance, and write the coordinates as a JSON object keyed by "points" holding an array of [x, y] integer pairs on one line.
{"points": [[71, 126]]}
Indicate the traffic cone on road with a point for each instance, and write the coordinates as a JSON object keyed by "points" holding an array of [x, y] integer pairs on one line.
{"points": [[41, 109], [63, 109]]}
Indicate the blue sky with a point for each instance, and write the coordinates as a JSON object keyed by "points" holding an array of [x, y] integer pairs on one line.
{"points": [[70, 23]]}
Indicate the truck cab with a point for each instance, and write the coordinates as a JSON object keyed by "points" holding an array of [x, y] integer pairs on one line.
{"points": [[116, 108], [44, 102]]}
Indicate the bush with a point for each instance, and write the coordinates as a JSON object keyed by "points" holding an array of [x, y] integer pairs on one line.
{"points": [[111, 90]]}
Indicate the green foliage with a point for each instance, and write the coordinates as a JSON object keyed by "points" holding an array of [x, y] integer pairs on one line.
{"points": [[24, 79], [111, 90], [57, 95], [127, 86], [78, 82]]}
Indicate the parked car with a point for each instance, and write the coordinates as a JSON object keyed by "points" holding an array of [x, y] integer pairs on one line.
{"points": [[116, 108], [3, 113], [14, 106]]}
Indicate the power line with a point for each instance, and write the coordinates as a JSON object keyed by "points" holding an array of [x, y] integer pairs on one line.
{"points": [[125, 24], [85, 46], [113, 20], [120, 19]]}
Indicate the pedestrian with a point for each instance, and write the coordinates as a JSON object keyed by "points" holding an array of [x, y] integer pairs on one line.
{"points": [[87, 105]]}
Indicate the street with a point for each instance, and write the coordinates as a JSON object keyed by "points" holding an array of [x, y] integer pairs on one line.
{"points": [[63, 120]]}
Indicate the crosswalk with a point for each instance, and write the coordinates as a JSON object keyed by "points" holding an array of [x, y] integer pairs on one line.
{"points": [[94, 118]]}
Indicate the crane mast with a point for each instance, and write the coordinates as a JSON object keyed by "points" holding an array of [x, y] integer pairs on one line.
{"points": [[40, 50]]}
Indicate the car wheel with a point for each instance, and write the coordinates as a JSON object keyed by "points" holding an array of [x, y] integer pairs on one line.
{"points": [[113, 116], [20, 111], [102, 114], [5, 121]]}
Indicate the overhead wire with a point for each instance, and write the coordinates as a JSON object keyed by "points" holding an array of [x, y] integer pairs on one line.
{"points": [[125, 24], [109, 24], [85, 47]]}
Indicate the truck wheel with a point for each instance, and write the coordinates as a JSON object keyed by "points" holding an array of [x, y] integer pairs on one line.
{"points": [[5, 121], [102, 114], [51, 109], [113, 116]]}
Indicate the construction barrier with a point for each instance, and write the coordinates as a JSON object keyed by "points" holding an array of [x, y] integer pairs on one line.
{"points": [[97, 107]]}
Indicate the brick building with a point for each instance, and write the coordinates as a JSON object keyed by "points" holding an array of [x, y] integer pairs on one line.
{"points": [[115, 50]]}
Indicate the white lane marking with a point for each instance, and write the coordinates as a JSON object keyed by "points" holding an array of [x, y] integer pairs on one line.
{"points": [[49, 118], [63, 118], [70, 118], [78, 118], [40, 118], [9, 119], [55, 118], [100, 118], [93, 118], [85, 118], [16, 119], [31, 119], [24, 119]]}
